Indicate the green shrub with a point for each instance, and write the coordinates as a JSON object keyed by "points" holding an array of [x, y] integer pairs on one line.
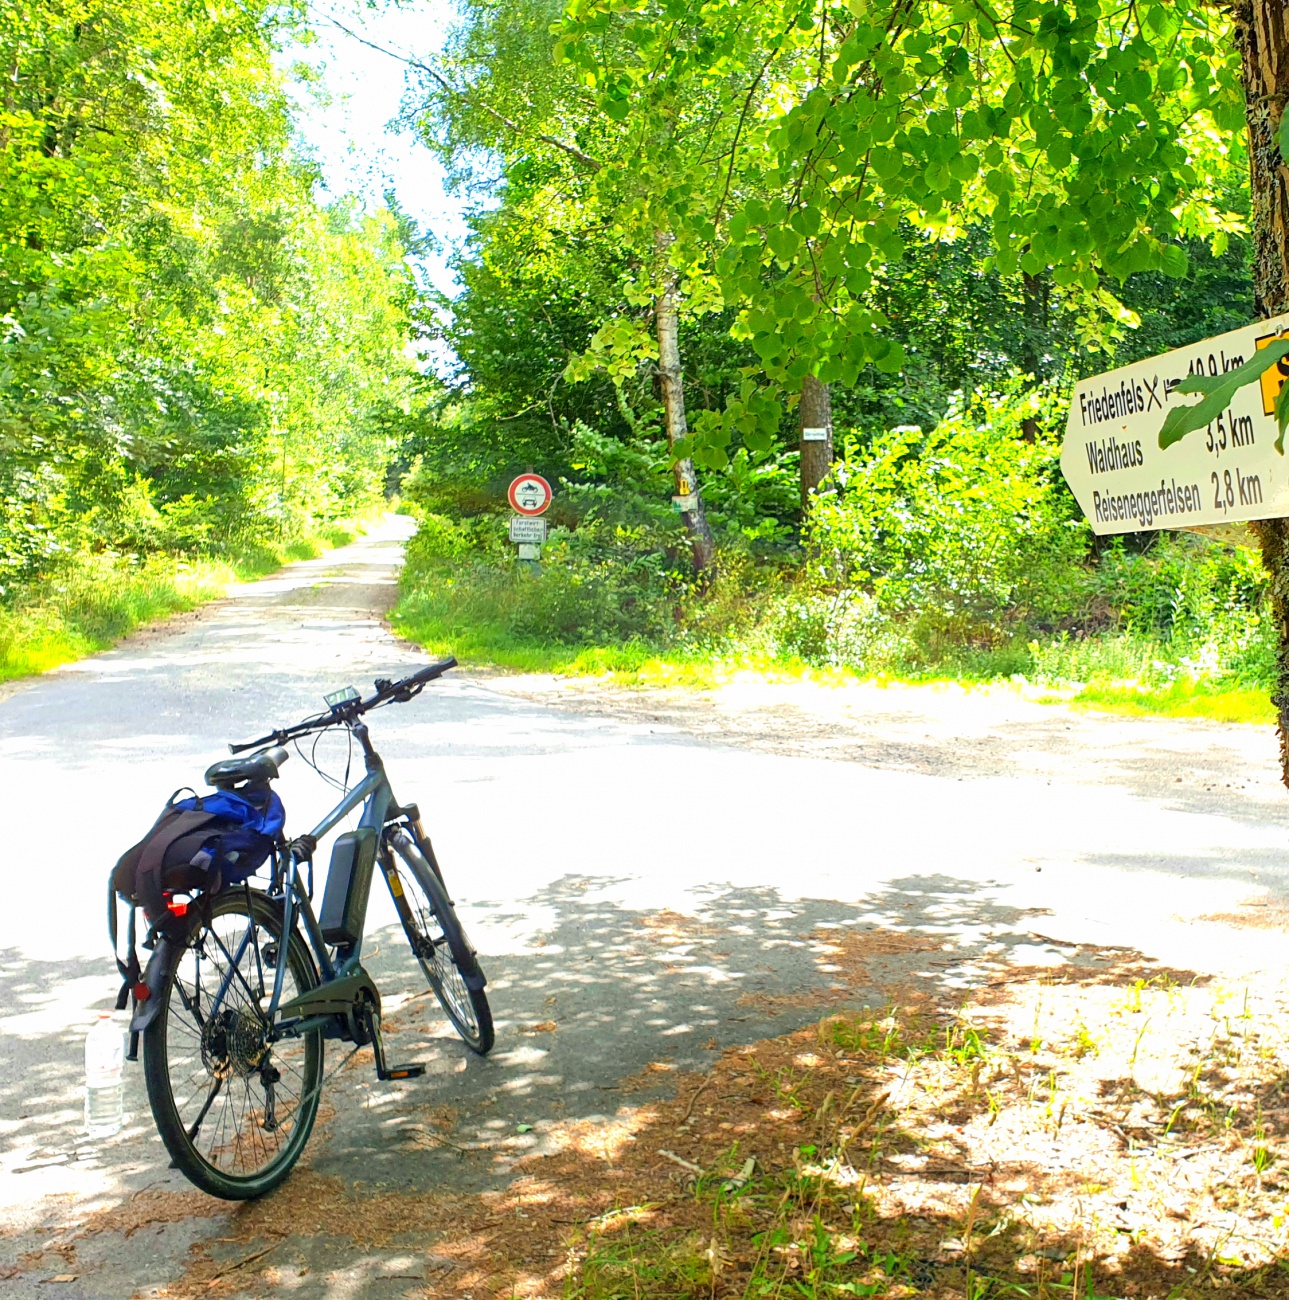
{"points": [[957, 552], [843, 628], [1183, 609], [965, 530], [599, 584]]}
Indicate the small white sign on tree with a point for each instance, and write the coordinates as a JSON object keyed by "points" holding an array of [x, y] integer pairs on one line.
{"points": [[1230, 469]]}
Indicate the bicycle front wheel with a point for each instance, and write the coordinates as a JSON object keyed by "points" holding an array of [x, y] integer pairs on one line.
{"points": [[439, 941], [233, 1107]]}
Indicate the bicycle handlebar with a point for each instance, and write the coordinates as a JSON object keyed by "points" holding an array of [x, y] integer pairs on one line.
{"points": [[346, 711]]}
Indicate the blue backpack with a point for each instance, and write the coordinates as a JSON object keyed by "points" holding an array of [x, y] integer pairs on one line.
{"points": [[235, 842], [203, 843]]}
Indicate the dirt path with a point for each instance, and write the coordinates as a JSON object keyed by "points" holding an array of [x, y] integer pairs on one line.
{"points": [[840, 845], [959, 732]]}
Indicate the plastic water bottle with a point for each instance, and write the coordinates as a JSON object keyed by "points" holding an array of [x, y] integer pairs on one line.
{"points": [[104, 1062]]}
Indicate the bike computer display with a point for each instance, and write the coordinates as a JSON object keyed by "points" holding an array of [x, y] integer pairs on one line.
{"points": [[342, 696]]}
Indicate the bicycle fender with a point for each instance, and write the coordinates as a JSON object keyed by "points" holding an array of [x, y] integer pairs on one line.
{"points": [[154, 977]]}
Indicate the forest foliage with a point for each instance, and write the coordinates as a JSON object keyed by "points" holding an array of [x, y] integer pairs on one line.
{"points": [[198, 358], [946, 212]]}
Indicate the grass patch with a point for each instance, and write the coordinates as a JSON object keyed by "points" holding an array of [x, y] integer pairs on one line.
{"points": [[95, 600], [637, 664], [1096, 1136], [629, 664], [1180, 700], [595, 608]]}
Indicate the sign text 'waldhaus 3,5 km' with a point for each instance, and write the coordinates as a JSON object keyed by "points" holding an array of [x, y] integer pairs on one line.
{"points": [[1227, 472]]}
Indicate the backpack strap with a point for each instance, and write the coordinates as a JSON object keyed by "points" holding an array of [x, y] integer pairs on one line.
{"points": [[131, 974], [128, 966]]}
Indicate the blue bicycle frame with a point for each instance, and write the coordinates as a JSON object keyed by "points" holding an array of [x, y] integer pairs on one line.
{"points": [[374, 792]]}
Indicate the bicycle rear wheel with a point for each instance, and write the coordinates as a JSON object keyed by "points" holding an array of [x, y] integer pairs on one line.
{"points": [[233, 1109], [439, 941]]}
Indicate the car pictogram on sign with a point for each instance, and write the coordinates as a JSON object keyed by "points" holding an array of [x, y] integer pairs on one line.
{"points": [[530, 494]]}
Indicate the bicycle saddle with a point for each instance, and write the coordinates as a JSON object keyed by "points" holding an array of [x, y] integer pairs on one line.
{"points": [[255, 768]]}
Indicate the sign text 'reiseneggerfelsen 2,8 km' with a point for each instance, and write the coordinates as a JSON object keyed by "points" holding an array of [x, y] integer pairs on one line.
{"points": [[1225, 473]]}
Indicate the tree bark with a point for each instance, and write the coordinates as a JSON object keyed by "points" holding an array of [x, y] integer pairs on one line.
{"points": [[1262, 29], [666, 318], [816, 456]]}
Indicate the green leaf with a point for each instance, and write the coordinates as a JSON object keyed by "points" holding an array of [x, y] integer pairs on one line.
{"points": [[1283, 137], [1282, 416], [1058, 153], [1173, 260], [936, 176], [1218, 391]]}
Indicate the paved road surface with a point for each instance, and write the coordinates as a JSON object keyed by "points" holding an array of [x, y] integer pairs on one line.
{"points": [[646, 883]]}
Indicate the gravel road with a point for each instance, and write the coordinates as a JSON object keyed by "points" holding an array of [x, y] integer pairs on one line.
{"points": [[648, 877]]}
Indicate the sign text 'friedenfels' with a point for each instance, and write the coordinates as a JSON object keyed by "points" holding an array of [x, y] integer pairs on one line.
{"points": [[1224, 473]]}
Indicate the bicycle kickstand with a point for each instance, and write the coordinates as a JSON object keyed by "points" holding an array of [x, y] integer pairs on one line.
{"points": [[383, 1070]]}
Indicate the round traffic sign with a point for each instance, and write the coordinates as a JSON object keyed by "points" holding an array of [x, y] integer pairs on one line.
{"points": [[530, 494]]}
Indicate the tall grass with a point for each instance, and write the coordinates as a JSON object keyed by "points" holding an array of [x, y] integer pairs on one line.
{"points": [[91, 601], [1178, 629]]}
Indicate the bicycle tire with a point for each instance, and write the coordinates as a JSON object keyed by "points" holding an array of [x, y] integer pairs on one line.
{"points": [[446, 957], [229, 1050]]}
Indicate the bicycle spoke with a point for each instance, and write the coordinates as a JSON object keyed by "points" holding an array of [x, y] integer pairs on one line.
{"points": [[201, 1115], [244, 1103], [418, 907]]}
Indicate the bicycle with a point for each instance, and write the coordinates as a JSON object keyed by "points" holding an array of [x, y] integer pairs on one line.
{"points": [[234, 1018]]}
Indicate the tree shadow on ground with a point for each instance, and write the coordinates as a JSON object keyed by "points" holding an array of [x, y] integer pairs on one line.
{"points": [[609, 1018], [608, 1003]]}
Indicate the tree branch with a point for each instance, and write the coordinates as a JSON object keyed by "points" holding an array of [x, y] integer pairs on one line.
{"points": [[571, 149]]}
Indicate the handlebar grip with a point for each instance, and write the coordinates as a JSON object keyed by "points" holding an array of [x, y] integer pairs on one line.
{"points": [[252, 744], [426, 674]]}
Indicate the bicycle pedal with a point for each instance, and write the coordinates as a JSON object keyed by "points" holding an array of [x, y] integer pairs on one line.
{"points": [[401, 1072]]}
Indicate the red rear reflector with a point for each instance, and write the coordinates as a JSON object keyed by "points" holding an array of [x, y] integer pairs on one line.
{"points": [[178, 909], [142, 992]]}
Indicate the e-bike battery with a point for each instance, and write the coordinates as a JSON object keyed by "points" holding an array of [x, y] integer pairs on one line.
{"points": [[344, 901]]}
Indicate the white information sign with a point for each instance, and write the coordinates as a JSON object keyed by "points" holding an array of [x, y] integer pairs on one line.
{"points": [[527, 530], [1225, 473], [813, 433]]}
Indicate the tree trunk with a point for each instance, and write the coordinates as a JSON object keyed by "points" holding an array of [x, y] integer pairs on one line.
{"points": [[816, 453], [1262, 28], [673, 399]]}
